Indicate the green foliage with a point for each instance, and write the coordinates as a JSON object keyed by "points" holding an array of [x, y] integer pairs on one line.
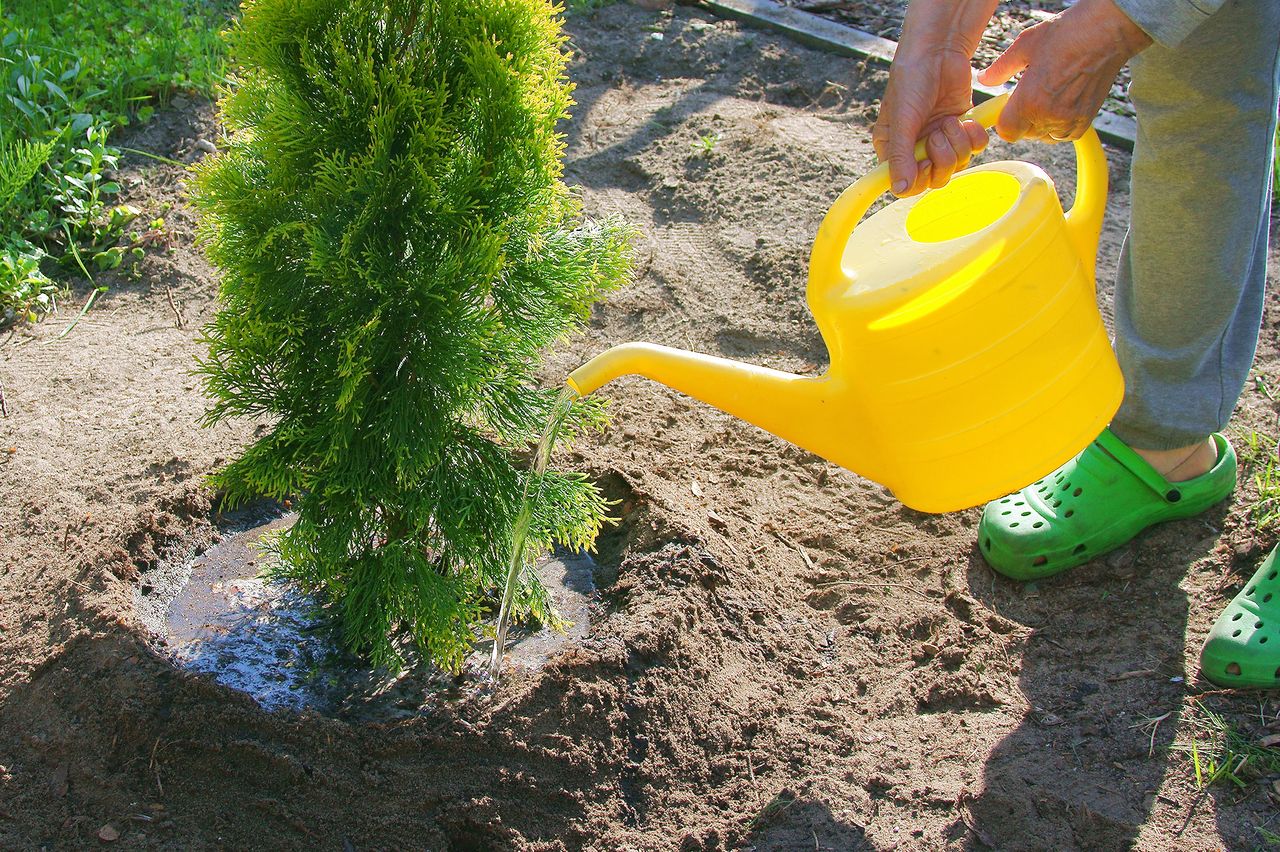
{"points": [[398, 249], [71, 73]]}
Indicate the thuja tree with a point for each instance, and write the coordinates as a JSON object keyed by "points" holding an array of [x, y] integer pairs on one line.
{"points": [[397, 250]]}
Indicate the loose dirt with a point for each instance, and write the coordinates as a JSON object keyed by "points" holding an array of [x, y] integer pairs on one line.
{"points": [[782, 657]]}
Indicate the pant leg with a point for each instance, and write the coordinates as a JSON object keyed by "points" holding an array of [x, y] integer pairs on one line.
{"points": [[1192, 272]]}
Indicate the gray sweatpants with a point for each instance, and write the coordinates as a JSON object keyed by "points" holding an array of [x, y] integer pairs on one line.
{"points": [[1192, 273]]}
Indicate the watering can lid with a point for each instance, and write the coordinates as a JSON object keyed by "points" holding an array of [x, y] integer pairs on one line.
{"points": [[913, 243]]}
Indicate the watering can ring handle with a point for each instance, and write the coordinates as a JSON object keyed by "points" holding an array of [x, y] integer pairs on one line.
{"points": [[1084, 219]]}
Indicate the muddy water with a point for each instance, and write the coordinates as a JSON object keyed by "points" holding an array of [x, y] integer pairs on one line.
{"points": [[217, 615]]}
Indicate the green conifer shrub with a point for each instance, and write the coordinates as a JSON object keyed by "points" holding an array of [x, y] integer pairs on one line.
{"points": [[398, 249]]}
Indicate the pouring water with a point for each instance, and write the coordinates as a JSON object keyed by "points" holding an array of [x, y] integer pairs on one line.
{"points": [[520, 530]]}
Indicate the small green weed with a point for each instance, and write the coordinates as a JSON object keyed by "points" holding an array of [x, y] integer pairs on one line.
{"points": [[705, 145], [771, 811]]}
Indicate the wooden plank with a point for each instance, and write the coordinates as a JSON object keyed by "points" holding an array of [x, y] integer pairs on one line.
{"points": [[816, 31]]}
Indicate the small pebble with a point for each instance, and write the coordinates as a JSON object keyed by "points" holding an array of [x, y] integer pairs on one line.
{"points": [[206, 146]]}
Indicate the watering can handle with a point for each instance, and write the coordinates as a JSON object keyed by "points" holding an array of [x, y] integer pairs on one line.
{"points": [[1084, 219]]}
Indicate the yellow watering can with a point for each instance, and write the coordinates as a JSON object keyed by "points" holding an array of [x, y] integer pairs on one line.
{"points": [[968, 357]]}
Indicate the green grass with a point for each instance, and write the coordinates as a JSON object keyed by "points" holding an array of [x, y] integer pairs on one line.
{"points": [[1220, 753], [571, 6], [72, 73], [1257, 455]]}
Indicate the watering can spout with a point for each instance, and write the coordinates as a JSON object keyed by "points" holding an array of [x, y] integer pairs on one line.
{"points": [[787, 405]]}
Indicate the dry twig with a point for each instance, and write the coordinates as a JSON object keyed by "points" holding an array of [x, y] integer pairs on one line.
{"points": [[173, 306]]}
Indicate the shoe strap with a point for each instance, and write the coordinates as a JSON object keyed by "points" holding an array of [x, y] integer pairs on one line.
{"points": [[1137, 465]]}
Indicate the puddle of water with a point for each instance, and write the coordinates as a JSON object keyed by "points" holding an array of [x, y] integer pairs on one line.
{"points": [[216, 615]]}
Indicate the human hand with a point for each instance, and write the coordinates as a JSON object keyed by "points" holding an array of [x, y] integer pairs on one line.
{"points": [[930, 86], [1068, 64]]}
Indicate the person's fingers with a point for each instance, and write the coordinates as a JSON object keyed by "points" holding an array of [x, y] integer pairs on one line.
{"points": [[1009, 63], [923, 175], [880, 139], [904, 175], [959, 141], [1015, 120], [943, 157], [977, 134]]}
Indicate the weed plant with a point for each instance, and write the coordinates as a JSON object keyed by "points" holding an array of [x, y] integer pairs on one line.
{"points": [[398, 249], [71, 73]]}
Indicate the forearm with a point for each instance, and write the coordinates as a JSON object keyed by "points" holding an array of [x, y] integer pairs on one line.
{"points": [[944, 25]]}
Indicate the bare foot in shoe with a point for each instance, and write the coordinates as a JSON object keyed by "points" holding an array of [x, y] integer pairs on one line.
{"points": [[1183, 463]]}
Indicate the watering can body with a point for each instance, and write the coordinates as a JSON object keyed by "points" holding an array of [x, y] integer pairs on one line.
{"points": [[968, 357]]}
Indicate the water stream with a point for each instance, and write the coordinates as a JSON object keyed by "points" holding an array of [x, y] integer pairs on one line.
{"points": [[529, 497]]}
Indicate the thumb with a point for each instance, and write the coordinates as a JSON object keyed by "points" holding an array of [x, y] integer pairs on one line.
{"points": [[902, 161], [1013, 60]]}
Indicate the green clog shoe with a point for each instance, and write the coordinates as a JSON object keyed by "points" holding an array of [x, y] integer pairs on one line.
{"points": [[1243, 648], [1092, 504]]}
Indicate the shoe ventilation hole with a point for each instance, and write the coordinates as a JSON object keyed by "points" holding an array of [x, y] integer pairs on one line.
{"points": [[1257, 625], [1066, 486], [1080, 548], [1037, 525], [1267, 598], [1005, 512], [986, 544], [1057, 503], [1019, 503], [1233, 669], [1237, 616], [1039, 560], [1262, 641], [1277, 674], [1012, 525], [1068, 513], [1077, 492], [1026, 514], [1272, 575], [1250, 590], [1235, 634], [1005, 500]]}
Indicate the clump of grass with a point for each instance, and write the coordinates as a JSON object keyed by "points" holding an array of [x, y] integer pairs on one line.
{"points": [[72, 72], [1220, 753], [1258, 453]]}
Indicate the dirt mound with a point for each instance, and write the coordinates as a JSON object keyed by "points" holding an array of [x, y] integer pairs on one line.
{"points": [[784, 658]]}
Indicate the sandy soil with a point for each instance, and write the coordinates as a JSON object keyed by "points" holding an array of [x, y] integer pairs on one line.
{"points": [[789, 660]]}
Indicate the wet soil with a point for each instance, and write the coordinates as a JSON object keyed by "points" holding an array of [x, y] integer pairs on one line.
{"points": [[221, 613], [784, 657]]}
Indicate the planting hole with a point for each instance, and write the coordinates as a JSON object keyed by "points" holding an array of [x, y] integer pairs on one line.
{"points": [[215, 614], [1233, 669]]}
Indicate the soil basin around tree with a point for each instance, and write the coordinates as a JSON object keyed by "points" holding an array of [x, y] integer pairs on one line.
{"points": [[219, 613]]}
